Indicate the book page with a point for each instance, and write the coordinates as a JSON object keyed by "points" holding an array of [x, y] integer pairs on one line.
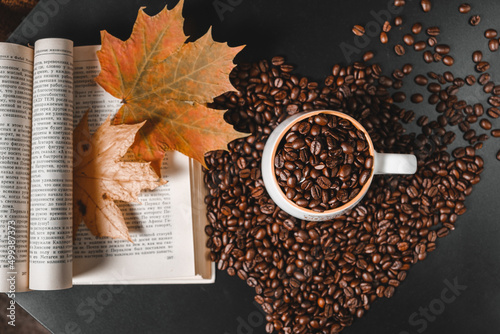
{"points": [[16, 73], [51, 225], [161, 227]]}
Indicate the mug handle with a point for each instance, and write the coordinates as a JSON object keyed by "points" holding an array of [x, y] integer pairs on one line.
{"points": [[394, 163]]}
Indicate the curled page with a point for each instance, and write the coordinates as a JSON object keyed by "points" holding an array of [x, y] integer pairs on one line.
{"points": [[51, 166]]}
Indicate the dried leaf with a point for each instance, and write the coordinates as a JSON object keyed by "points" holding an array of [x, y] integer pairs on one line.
{"points": [[168, 82], [100, 177]]}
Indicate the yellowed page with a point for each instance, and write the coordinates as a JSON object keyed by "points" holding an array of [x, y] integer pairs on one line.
{"points": [[51, 166]]}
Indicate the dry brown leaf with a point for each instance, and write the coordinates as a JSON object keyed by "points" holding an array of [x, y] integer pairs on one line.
{"points": [[100, 178]]}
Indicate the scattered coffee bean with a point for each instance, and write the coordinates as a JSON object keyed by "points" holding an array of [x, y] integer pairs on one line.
{"points": [[470, 79], [408, 39], [482, 66], [448, 60], [407, 69], [428, 57], [367, 56], [383, 37], [442, 49], [398, 21], [386, 27], [421, 80], [495, 133], [485, 124], [433, 31], [358, 30], [399, 49], [419, 46], [399, 3], [426, 5], [417, 98], [493, 44], [474, 20], [493, 112], [477, 56], [432, 41], [416, 28], [490, 33], [464, 8]]}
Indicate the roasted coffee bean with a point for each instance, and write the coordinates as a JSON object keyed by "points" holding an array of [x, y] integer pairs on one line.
{"points": [[399, 3], [407, 69], [485, 124], [421, 80], [408, 39], [433, 31], [482, 66], [490, 33], [470, 79], [419, 46], [416, 28], [448, 60], [358, 30], [399, 49], [498, 155], [398, 21], [474, 20], [383, 37], [495, 133], [477, 56], [428, 57], [432, 41], [367, 56], [426, 5], [494, 101], [386, 27], [493, 45], [417, 98], [442, 49], [464, 8], [493, 112]]}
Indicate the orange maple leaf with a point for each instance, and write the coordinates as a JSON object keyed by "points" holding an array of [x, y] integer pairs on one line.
{"points": [[100, 177], [168, 82]]}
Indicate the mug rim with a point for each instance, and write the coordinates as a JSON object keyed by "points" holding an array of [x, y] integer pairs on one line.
{"points": [[338, 210]]}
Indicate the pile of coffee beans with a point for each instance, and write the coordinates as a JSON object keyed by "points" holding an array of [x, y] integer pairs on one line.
{"points": [[317, 277], [322, 162]]}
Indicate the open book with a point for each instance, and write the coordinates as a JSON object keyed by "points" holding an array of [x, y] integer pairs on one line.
{"points": [[44, 92]]}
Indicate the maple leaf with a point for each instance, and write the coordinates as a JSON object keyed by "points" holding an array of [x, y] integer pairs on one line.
{"points": [[168, 82], [100, 177]]}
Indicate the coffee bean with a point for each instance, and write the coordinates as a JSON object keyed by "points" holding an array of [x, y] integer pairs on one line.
{"points": [[493, 112], [367, 56], [278, 60], [485, 124], [498, 155], [419, 46], [493, 45], [386, 27], [421, 80], [464, 8], [428, 57], [416, 28], [482, 66], [470, 79], [358, 30], [398, 21], [417, 98], [383, 37], [442, 49], [399, 49], [448, 60], [399, 3], [490, 33], [426, 5], [494, 101], [495, 133], [477, 56], [433, 31], [432, 41], [408, 39], [407, 69], [474, 20]]}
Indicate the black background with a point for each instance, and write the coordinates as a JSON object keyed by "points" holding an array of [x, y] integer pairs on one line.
{"points": [[310, 35]]}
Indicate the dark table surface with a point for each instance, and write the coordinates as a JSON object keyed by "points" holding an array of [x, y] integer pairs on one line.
{"points": [[455, 290]]}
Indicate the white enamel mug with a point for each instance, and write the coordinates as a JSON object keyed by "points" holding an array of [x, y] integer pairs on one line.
{"points": [[384, 163]]}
